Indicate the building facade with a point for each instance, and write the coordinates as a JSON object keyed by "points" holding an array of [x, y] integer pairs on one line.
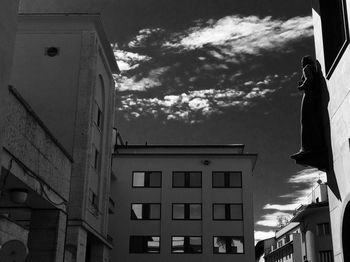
{"points": [[331, 32], [308, 235], [63, 66], [183, 203]]}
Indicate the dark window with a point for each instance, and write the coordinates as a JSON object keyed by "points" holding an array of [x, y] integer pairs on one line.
{"points": [[227, 179], [228, 245], [93, 200], [334, 31], [145, 211], [186, 244], [147, 179], [144, 244], [96, 159], [187, 211], [98, 116], [323, 229], [326, 256], [187, 179], [227, 211]]}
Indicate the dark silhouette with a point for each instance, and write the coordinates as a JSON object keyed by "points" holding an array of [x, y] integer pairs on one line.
{"points": [[315, 148]]}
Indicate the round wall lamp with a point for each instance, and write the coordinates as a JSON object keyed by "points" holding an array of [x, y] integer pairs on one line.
{"points": [[206, 162], [18, 195]]}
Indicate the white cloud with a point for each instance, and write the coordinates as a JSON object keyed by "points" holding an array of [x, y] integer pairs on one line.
{"points": [[187, 105], [261, 235], [144, 36], [271, 219], [128, 60], [307, 179], [234, 36]]}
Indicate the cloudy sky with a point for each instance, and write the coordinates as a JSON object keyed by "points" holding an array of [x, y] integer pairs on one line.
{"points": [[213, 72]]}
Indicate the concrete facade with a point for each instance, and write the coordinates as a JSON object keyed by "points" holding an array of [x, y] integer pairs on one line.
{"points": [[308, 236], [63, 67], [337, 79], [168, 159]]}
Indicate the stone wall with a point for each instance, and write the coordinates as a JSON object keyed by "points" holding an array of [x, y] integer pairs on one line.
{"points": [[30, 142]]}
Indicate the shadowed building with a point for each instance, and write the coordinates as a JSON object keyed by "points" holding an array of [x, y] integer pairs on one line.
{"points": [[331, 31], [183, 203], [63, 67]]}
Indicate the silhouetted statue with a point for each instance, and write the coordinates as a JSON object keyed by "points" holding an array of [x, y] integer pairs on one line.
{"points": [[315, 148]]}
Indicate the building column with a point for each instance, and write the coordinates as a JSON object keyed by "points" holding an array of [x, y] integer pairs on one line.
{"points": [[310, 246], [76, 242], [99, 253], [47, 236]]}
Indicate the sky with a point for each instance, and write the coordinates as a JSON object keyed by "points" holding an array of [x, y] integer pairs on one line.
{"points": [[213, 72]]}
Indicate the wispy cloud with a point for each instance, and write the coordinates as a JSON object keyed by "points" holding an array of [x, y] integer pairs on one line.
{"points": [[189, 105], [128, 60], [261, 235], [303, 182], [234, 36]]}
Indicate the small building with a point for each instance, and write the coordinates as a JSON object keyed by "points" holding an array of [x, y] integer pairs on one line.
{"points": [[183, 203], [331, 33], [308, 235]]}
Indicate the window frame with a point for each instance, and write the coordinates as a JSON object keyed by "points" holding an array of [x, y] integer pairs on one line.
{"points": [[146, 172], [145, 252], [227, 179], [237, 237], [227, 207], [187, 181], [160, 211], [331, 64], [187, 211], [186, 249]]}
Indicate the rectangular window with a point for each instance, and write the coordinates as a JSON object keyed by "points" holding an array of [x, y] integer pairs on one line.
{"points": [[323, 229], [93, 200], [228, 245], [96, 159], [145, 211], [326, 256], [98, 116], [186, 244], [334, 31], [227, 179], [187, 211], [144, 244], [187, 179], [227, 211], [147, 179]]}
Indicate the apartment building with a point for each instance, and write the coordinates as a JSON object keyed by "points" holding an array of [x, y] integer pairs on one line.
{"points": [[63, 66], [308, 235], [331, 32], [183, 203]]}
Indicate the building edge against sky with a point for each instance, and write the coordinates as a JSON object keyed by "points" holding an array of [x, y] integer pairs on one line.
{"points": [[175, 180], [331, 32]]}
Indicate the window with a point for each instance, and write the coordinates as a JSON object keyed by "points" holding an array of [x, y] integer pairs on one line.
{"points": [[187, 211], [326, 256], [186, 244], [227, 212], [147, 179], [227, 179], [334, 31], [96, 159], [323, 229], [228, 245], [93, 200], [187, 179], [144, 244], [145, 211], [280, 243]]}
